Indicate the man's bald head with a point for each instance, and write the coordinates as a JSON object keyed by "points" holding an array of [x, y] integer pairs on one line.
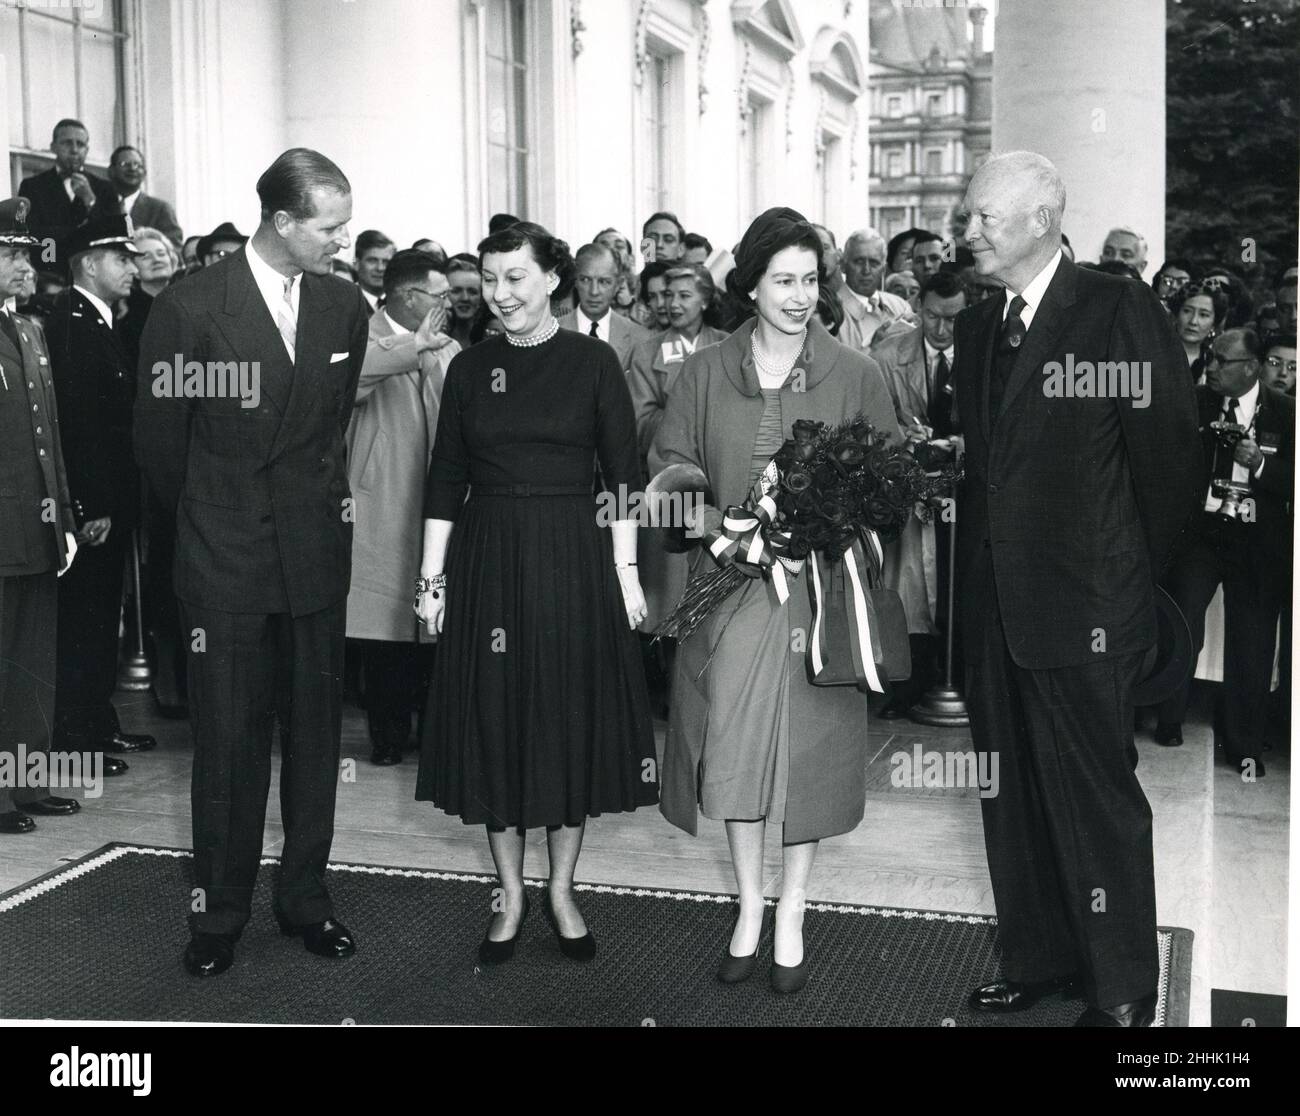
{"points": [[867, 238], [1027, 179], [1015, 202]]}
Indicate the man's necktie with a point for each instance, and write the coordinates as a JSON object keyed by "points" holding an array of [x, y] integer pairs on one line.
{"points": [[285, 321], [1010, 337], [939, 414], [594, 331]]}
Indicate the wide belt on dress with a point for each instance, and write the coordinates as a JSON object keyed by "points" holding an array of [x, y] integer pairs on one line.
{"points": [[523, 490]]}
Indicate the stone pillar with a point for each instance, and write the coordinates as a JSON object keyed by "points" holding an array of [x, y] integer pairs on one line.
{"points": [[1084, 84]]}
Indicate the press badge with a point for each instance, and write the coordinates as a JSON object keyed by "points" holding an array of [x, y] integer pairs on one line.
{"points": [[672, 352], [1268, 444]]}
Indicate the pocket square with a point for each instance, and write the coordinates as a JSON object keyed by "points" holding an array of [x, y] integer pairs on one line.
{"points": [[336, 357]]}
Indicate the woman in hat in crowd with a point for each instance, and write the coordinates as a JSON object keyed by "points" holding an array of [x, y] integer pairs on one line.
{"points": [[749, 739], [538, 714]]}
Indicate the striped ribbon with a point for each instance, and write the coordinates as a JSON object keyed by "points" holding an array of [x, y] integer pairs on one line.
{"points": [[864, 640], [748, 541]]}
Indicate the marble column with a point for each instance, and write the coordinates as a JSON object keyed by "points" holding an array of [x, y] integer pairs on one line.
{"points": [[1084, 84]]}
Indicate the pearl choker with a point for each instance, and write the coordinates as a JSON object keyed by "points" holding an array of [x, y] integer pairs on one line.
{"points": [[539, 338]]}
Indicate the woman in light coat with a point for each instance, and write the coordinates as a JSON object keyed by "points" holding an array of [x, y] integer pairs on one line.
{"points": [[749, 739]]}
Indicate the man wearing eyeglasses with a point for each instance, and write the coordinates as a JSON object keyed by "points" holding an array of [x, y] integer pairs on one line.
{"points": [[126, 172], [1249, 553], [389, 441], [1170, 279]]}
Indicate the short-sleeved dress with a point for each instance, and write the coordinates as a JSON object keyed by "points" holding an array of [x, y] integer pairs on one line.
{"points": [[538, 712]]}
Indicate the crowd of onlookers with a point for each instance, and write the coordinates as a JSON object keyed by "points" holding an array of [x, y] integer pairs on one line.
{"points": [[893, 298]]}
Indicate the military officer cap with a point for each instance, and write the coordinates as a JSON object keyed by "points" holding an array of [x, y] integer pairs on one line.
{"points": [[13, 224], [109, 230]]}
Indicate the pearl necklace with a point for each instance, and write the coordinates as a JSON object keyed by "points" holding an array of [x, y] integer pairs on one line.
{"points": [[779, 370], [539, 338]]}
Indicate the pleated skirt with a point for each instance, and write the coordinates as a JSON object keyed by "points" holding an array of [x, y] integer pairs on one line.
{"points": [[538, 713]]}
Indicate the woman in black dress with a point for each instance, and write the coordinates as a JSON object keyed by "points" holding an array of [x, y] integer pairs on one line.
{"points": [[538, 713]]}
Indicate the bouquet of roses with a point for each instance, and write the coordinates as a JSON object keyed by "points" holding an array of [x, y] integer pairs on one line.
{"points": [[825, 489]]}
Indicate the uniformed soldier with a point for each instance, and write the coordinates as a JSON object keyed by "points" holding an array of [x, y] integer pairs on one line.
{"points": [[36, 543], [94, 379]]}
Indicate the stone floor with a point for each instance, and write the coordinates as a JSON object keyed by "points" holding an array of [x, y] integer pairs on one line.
{"points": [[1221, 845]]}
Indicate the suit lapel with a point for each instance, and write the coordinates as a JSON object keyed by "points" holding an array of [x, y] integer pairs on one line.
{"points": [[311, 353], [984, 334], [1049, 320], [250, 331]]}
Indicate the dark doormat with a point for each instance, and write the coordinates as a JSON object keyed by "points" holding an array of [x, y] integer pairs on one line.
{"points": [[102, 939]]}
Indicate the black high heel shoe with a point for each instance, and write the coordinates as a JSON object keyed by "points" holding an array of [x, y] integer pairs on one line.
{"points": [[788, 978], [575, 949], [494, 953], [733, 969]]}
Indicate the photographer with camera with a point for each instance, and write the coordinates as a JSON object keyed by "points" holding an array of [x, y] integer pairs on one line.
{"points": [[1241, 539]]}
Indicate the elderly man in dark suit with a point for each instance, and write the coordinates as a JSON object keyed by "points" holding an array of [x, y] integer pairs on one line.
{"points": [[36, 533], [246, 444], [126, 171], [66, 195], [1242, 542], [1082, 465], [94, 379]]}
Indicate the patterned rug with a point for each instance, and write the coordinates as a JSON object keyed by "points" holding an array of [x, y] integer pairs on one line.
{"points": [[102, 939]]}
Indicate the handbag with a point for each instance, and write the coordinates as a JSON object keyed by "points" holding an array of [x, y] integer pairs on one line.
{"points": [[859, 633]]}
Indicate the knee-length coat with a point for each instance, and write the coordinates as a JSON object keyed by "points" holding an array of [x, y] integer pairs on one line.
{"points": [[711, 422]]}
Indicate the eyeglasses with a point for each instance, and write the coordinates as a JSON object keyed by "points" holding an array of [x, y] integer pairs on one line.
{"points": [[1173, 282], [441, 296], [1212, 359]]}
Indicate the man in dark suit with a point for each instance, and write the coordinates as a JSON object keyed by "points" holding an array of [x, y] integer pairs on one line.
{"points": [[249, 453], [94, 380], [1076, 486], [66, 195], [597, 282], [126, 171], [1248, 552], [36, 534]]}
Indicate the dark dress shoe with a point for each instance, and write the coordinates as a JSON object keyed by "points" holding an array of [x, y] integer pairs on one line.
{"points": [[129, 742], [575, 949], [1138, 1013], [15, 821], [208, 955], [497, 953], [789, 978], [1003, 996], [733, 969], [115, 766], [53, 807], [1168, 733], [325, 939]]}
